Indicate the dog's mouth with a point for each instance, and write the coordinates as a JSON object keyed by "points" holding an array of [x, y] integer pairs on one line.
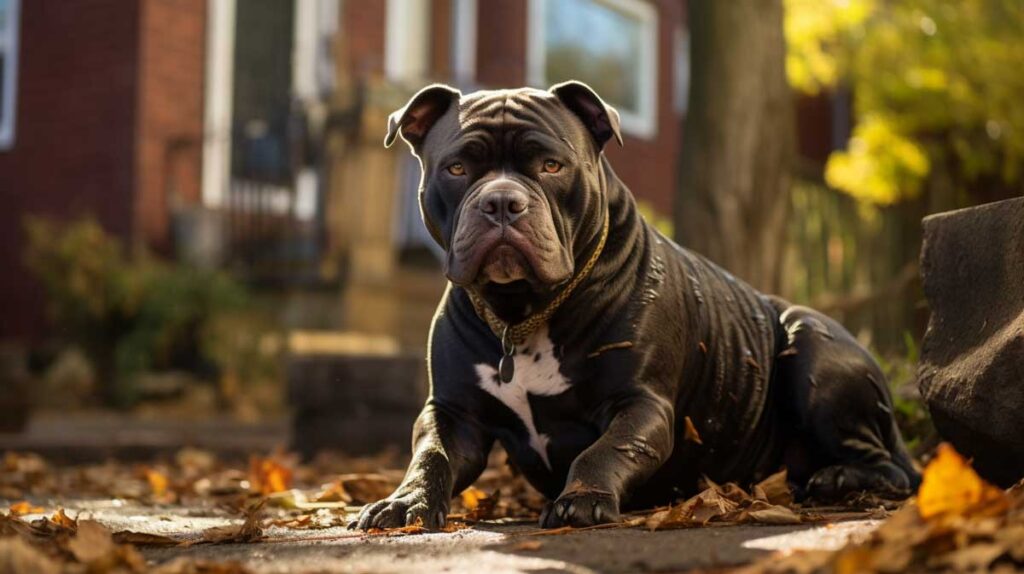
{"points": [[504, 264], [503, 255]]}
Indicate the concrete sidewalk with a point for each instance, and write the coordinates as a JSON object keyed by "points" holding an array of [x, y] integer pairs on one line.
{"points": [[487, 547]]}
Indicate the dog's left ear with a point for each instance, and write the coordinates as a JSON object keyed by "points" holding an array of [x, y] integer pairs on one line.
{"points": [[419, 115], [601, 119]]}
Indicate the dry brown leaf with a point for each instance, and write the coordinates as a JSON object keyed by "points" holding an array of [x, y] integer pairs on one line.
{"points": [[25, 507], [367, 488], [728, 503], [415, 528], [529, 545], [91, 543], [17, 555], [144, 539], [775, 489], [251, 530], [61, 519], [690, 433], [334, 492], [766, 513], [950, 488], [304, 521]]}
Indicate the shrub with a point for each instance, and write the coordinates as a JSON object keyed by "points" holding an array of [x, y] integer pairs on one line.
{"points": [[130, 312]]}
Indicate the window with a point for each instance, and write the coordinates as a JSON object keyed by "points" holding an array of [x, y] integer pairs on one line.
{"points": [[8, 69], [407, 41], [609, 44]]}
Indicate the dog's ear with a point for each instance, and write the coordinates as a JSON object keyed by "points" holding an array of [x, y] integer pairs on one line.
{"points": [[419, 115], [601, 119]]}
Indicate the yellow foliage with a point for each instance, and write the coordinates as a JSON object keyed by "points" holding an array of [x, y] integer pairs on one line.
{"points": [[814, 29], [950, 488], [880, 166]]}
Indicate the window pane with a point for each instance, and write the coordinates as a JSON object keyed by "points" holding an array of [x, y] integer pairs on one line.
{"points": [[593, 42]]}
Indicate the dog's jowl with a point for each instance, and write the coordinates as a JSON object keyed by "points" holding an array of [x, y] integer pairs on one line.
{"points": [[581, 339]]}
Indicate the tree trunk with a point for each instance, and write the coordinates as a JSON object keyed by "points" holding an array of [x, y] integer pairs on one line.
{"points": [[738, 139]]}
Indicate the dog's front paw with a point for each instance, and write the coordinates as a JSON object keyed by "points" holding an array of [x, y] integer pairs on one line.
{"points": [[581, 506], [405, 507]]}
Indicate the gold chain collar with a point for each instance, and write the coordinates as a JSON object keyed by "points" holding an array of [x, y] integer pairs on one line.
{"points": [[517, 334]]}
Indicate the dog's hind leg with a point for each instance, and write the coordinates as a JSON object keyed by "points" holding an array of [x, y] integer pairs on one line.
{"points": [[834, 401]]}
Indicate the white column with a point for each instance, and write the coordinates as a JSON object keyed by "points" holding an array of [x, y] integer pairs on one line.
{"points": [[220, 67]]}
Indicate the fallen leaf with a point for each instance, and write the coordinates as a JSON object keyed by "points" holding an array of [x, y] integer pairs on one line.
{"points": [[91, 543], [334, 492], [269, 475], [951, 488], [690, 433], [24, 507], [60, 518], [529, 545], [144, 539], [251, 530], [479, 504], [765, 513], [775, 489], [367, 488], [17, 555], [471, 498], [157, 481]]}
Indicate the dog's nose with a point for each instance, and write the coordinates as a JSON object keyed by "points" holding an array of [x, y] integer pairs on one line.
{"points": [[503, 206]]}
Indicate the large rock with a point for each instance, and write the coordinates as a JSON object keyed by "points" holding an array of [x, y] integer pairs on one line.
{"points": [[972, 358]]}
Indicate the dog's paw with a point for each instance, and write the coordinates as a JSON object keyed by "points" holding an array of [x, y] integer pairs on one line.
{"points": [[403, 508], [581, 506], [834, 483]]}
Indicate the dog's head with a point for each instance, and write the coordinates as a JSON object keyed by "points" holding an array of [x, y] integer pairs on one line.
{"points": [[512, 185]]}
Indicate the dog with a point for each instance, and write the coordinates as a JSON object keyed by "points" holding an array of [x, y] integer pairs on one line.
{"points": [[615, 367]]}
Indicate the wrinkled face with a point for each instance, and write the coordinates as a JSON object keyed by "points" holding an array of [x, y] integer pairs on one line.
{"points": [[511, 184]]}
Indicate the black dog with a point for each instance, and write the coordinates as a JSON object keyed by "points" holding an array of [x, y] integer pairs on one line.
{"points": [[582, 340]]}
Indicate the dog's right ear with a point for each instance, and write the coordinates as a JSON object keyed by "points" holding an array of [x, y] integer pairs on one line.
{"points": [[419, 115]]}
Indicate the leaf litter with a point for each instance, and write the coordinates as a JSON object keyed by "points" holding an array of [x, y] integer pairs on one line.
{"points": [[275, 495], [957, 523]]}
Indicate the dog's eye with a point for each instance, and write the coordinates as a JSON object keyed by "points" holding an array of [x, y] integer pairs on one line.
{"points": [[552, 166], [457, 169]]}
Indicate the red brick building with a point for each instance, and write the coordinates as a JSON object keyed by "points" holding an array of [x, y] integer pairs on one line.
{"points": [[134, 110], [106, 119]]}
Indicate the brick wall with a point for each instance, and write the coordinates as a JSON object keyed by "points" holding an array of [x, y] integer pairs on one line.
{"points": [[363, 36], [170, 119], [73, 148]]}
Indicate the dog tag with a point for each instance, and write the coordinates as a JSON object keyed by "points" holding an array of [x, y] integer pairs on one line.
{"points": [[507, 368], [507, 364]]}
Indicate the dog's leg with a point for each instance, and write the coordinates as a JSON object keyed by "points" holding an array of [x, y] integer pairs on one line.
{"points": [[449, 453], [834, 396], [636, 443]]}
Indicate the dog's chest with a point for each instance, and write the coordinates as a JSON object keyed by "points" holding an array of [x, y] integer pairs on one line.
{"points": [[537, 373]]}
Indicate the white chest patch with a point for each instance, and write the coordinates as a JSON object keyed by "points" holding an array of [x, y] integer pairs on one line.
{"points": [[536, 373]]}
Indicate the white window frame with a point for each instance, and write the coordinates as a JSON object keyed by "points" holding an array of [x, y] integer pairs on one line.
{"points": [[464, 40], [641, 122], [9, 46], [407, 41]]}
